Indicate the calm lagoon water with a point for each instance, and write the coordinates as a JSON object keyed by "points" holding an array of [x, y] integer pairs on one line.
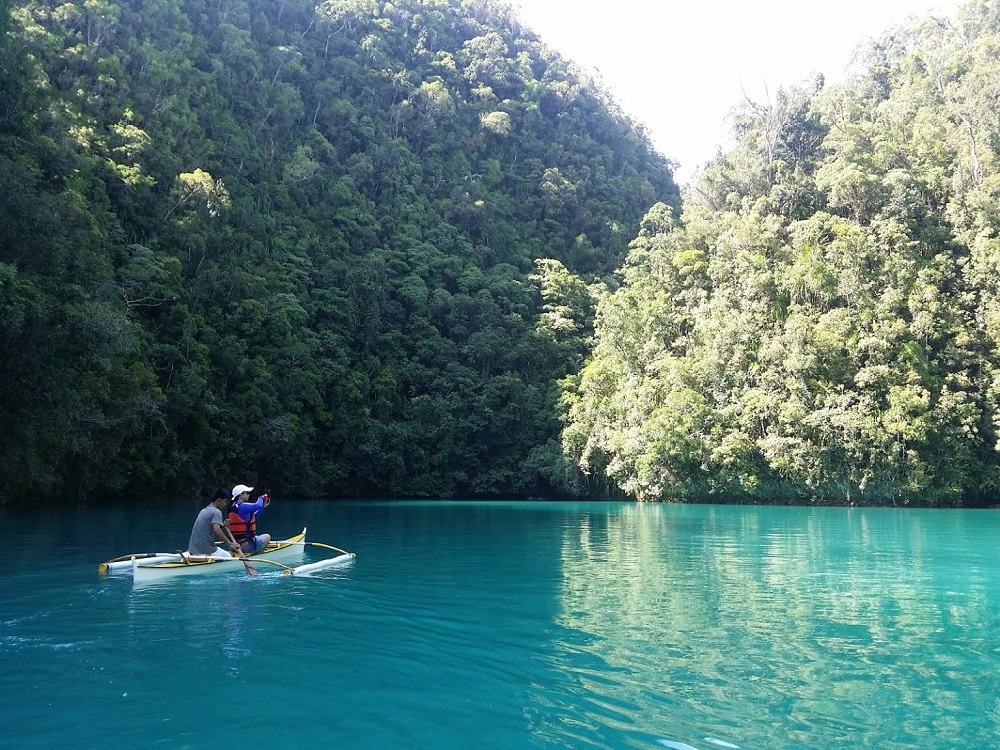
{"points": [[513, 625]]}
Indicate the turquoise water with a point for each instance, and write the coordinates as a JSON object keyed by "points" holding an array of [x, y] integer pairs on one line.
{"points": [[507, 625]]}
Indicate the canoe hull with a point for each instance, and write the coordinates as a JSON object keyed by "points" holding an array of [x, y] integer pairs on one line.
{"points": [[285, 551], [124, 564]]}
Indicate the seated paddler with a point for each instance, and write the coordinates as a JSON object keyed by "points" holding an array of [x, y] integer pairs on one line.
{"points": [[209, 527], [243, 516]]}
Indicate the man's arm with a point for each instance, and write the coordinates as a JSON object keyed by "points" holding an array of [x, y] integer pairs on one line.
{"points": [[224, 534]]}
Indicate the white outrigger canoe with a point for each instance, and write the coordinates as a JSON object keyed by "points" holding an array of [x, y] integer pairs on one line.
{"points": [[284, 555]]}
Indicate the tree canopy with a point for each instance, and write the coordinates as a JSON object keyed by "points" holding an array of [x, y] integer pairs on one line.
{"points": [[324, 246], [821, 323], [404, 249]]}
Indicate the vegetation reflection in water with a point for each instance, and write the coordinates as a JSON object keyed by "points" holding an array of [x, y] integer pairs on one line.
{"points": [[520, 625], [777, 629]]}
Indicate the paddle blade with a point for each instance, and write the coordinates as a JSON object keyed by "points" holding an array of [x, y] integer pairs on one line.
{"points": [[251, 570]]}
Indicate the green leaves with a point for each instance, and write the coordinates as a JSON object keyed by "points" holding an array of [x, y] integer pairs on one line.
{"points": [[200, 190], [299, 240], [822, 323]]}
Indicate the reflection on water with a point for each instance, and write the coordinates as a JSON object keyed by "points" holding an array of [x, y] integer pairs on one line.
{"points": [[779, 627], [515, 625]]}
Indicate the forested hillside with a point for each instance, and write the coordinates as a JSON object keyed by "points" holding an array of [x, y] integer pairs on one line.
{"points": [[341, 249], [361, 248], [822, 324]]}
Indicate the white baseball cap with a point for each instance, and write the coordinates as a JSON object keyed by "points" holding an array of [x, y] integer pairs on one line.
{"points": [[240, 489]]}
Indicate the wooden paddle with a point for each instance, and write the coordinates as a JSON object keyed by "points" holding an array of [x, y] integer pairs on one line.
{"points": [[251, 570], [273, 562]]}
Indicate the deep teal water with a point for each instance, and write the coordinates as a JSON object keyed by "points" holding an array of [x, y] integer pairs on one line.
{"points": [[506, 625]]}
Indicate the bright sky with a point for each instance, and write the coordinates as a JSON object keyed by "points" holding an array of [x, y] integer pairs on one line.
{"points": [[680, 67]]}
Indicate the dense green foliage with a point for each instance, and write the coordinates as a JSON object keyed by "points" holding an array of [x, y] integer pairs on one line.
{"points": [[362, 248], [337, 248], [822, 324]]}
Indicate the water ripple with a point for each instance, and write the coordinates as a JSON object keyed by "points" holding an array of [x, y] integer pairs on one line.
{"points": [[530, 626]]}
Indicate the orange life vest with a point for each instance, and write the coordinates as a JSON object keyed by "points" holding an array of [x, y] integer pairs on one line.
{"points": [[239, 528]]}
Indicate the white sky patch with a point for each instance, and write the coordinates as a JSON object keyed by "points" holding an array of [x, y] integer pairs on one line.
{"points": [[680, 67]]}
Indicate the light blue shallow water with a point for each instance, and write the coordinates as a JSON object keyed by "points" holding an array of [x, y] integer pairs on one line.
{"points": [[513, 625]]}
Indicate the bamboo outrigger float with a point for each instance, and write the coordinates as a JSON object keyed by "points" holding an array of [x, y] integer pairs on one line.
{"points": [[124, 563], [283, 554]]}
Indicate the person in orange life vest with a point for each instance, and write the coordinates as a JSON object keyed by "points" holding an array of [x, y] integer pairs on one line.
{"points": [[242, 519]]}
